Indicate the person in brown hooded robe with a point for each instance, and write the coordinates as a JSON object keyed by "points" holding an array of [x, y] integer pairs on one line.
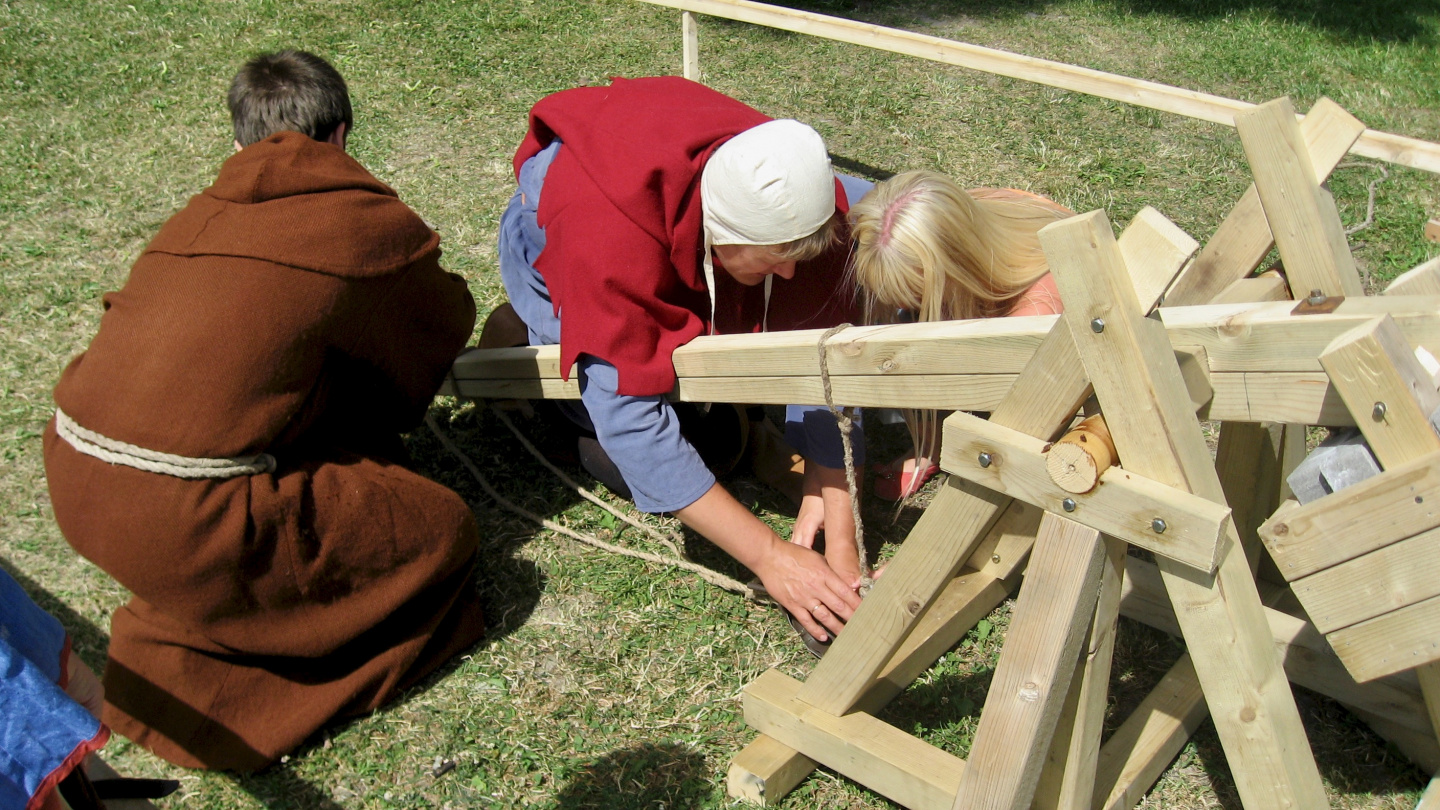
{"points": [[228, 446]]}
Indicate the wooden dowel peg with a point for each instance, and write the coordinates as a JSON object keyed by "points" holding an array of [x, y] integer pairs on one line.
{"points": [[1077, 460]]}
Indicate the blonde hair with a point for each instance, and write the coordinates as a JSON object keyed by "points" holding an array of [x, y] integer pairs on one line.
{"points": [[924, 245]]}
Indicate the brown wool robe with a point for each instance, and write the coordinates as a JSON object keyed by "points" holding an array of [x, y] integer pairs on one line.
{"points": [[295, 307]]}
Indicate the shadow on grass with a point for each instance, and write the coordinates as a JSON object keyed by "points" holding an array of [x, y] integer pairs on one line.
{"points": [[645, 776], [1385, 21]]}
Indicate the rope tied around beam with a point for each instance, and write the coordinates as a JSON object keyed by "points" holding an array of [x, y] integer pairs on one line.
{"points": [[845, 420]]}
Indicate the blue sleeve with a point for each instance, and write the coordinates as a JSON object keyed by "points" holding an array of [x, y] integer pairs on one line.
{"points": [[854, 187], [642, 436], [813, 432], [28, 630]]}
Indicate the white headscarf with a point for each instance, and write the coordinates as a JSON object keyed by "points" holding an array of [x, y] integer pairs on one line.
{"points": [[769, 185]]}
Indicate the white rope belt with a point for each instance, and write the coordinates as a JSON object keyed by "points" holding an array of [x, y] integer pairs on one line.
{"points": [[106, 449]]}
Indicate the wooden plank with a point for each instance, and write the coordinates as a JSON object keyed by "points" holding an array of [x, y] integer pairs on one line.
{"points": [[1123, 505], [1132, 367], [1302, 215], [1399, 640], [1247, 460], [1243, 239], [1006, 548], [875, 754], [1429, 677], [1432, 229], [1400, 502], [1430, 799], [1154, 249], [690, 47], [1265, 287], [1149, 739], [765, 770], [1260, 337], [1422, 279], [1068, 779], [1309, 660], [971, 392], [1303, 398], [1382, 145], [1050, 621], [966, 600], [1388, 392], [1042, 402], [1386, 579]]}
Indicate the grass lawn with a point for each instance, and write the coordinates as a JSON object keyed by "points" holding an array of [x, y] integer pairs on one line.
{"points": [[607, 682]]}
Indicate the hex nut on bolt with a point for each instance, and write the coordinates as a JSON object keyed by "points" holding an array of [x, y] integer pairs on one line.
{"points": [[1068, 504], [985, 459], [1378, 412], [1158, 525], [1097, 325]]}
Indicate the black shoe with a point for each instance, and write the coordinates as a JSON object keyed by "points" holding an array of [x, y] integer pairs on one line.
{"points": [[597, 462]]}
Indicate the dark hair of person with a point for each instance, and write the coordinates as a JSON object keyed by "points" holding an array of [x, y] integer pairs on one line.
{"points": [[288, 90]]}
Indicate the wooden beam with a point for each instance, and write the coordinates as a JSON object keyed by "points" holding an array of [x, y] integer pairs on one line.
{"points": [[1384, 146], [1422, 279], [1432, 229], [1265, 287], [1390, 578], [1124, 505], [1243, 239], [1068, 779], [1361, 518], [1388, 392], [1247, 459], [690, 46], [1156, 249], [1132, 367], [765, 770], [1022, 706], [1302, 215], [1399, 640], [879, 756]]}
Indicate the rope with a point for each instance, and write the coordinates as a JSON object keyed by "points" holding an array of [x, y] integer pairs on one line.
{"points": [[713, 577], [116, 452], [845, 420]]}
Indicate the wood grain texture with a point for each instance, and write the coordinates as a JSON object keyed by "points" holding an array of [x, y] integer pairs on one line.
{"points": [[1388, 391], [1422, 279], [1398, 640], [1302, 214], [1373, 584], [1149, 739], [1022, 706]]}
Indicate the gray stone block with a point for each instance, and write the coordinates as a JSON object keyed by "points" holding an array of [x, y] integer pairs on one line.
{"points": [[1339, 461]]}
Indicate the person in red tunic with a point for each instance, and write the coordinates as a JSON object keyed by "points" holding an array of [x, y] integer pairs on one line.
{"points": [[653, 211], [228, 446]]}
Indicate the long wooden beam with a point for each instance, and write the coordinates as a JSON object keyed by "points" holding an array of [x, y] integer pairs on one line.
{"points": [[1385, 146]]}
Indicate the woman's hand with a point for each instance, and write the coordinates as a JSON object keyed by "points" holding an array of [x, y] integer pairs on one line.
{"points": [[83, 687], [796, 577], [826, 506]]}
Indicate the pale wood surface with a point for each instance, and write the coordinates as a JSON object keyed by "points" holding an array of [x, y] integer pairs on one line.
{"points": [[1399, 640], [1051, 618], [1302, 215], [1007, 547], [1144, 745], [1248, 461], [1068, 779], [690, 46], [1243, 239], [1264, 287], [1124, 505], [1398, 503], [1430, 799], [1076, 461], [1132, 367], [1385, 146], [1373, 366], [903, 768], [1386, 579], [1155, 249], [765, 770], [1422, 279], [1432, 229]]}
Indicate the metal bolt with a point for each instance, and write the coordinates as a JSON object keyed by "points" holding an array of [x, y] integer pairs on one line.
{"points": [[1378, 412], [1316, 298], [995, 558], [1097, 325], [1068, 504], [985, 459], [1158, 525]]}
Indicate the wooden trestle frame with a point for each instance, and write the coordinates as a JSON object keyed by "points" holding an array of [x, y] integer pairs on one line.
{"points": [[1156, 362]]}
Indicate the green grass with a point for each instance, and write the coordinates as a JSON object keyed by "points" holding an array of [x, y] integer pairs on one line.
{"points": [[607, 682]]}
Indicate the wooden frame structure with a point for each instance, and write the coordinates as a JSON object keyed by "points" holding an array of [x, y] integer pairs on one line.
{"points": [[1136, 334]]}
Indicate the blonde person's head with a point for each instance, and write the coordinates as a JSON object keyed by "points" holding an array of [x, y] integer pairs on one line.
{"points": [[924, 245]]}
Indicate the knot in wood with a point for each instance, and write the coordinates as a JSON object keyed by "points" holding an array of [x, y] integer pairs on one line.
{"points": [[1247, 715], [1029, 692], [888, 364], [912, 607], [1280, 529]]}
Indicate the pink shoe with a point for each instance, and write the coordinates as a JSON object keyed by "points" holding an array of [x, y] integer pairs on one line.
{"points": [[892, 483]]}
